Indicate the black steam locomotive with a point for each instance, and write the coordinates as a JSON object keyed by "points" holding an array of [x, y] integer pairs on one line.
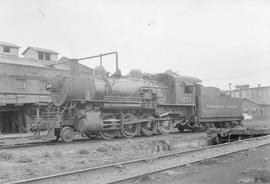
{"points": [[138, 104]]}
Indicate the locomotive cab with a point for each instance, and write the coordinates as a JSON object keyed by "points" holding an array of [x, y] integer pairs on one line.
{"points": [[180, 89], [179, 99]]}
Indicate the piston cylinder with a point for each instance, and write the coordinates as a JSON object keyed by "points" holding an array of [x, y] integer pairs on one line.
{"points": [[92, 122]]}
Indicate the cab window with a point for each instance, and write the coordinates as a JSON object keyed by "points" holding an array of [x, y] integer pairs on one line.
{"points": [[188, 89]]}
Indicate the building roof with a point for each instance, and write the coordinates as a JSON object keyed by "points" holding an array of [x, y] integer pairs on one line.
{"points": [[40, 50], [256, 101], [20, 61], [82, 67], [35, 63], [9, 44], [252, 88]]}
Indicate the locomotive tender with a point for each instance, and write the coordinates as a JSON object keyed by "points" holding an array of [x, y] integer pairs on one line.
{"points": [[110, 106]]}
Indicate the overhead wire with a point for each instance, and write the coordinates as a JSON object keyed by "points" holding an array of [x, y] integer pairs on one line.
{"points": [[237, 76]]}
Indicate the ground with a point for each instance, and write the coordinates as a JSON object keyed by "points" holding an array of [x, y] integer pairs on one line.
{"points": [[251, 166], [30, 162]]}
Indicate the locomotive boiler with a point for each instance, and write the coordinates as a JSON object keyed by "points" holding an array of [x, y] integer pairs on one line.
{"points": [[110, 106]]}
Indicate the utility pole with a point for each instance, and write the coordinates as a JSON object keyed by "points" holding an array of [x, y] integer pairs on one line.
{"points": [[230, 88]]}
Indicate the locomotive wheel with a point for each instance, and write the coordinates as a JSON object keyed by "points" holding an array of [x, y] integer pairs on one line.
{"points": [[67, 134], [108, 134], [165, 127], [129, 130], [148, 128]]}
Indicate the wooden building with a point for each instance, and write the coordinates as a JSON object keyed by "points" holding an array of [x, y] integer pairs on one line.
{"points": [[23, 83], [255, 101], [257, 109]]}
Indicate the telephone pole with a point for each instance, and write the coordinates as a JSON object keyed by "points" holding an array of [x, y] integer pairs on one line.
{"points": [[230, 88]]}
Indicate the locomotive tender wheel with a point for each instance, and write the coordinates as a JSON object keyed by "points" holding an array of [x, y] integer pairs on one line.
{"points": [[129, 130], [148, 128], [165, 127], [67, 134], [108, 134]]}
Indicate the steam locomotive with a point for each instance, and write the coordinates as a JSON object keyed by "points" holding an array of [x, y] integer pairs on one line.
{"points": [[138, 104]]}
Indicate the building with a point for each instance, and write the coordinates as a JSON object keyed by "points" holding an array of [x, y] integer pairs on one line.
{"points": [[257, 109], [23, 83], [9, 49], [256, 100], [40, 54]]}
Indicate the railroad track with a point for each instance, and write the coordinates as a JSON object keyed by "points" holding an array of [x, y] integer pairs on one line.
{"points": [[125, 171], [4, 145], [45, 143]]}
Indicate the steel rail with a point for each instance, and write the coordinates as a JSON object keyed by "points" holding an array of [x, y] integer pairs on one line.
{"points": [[26, 145], [172, 154], [42, 143]]}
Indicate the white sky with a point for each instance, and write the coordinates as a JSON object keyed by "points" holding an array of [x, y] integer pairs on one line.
{"points": [[218, 41]]}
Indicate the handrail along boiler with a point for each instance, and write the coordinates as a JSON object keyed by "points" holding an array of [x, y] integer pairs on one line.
{"points": [[110, 106]]}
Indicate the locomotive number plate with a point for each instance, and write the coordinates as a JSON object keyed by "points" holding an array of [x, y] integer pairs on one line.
{"points": [[185, 100]]}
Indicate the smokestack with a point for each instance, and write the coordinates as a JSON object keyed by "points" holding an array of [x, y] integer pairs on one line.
{"points": [[74, 67]]}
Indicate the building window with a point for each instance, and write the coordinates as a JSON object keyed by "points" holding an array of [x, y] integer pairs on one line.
{"points": [[47, 56], [21, 83], [40, 55], [6, 49], [44, 56], [188, 89]]}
